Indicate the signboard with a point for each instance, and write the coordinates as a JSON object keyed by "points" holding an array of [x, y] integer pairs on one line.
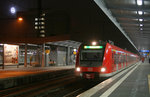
{"points": [[47, 51], [144, 51], [74, 52], [93, 47], [11, 54]]}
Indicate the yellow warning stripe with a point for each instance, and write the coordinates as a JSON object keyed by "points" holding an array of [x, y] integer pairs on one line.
{"points": [[149, 82]]}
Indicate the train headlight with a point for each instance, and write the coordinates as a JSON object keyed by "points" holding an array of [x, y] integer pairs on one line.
{"points": [[94, 43], [78, 69], [103, 69]]}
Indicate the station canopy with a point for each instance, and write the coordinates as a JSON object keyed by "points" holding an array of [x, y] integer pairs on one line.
{"points": [[66, 43], [132, 17]]}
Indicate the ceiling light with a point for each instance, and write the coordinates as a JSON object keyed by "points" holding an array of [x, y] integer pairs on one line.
{"points": [[139, 2], [141, 20], [141, 25], [141, 28], [140, 12]]}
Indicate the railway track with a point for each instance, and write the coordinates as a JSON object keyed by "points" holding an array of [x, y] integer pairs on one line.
{"points": [[75, 88], [64, 86], [37, 85]]}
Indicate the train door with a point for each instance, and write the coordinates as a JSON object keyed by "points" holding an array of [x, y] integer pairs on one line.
{"points": [[113, 61], [119, 61], [116, 61], [122, 60], [126, 60]]}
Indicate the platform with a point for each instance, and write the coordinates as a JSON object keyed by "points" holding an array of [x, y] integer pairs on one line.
{"points": [[12, 76], [132, 82]]}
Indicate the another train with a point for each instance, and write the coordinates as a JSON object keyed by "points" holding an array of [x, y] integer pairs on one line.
{"points": [[100, 59]]}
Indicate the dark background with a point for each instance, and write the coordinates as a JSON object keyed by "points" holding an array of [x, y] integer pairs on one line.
{"points": [[83, 20]]}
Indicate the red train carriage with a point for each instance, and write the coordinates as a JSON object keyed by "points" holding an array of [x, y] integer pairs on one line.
{"points": [[102, 60]]}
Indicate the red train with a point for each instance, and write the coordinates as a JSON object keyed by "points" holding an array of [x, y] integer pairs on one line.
{"points": [[102, 60]]}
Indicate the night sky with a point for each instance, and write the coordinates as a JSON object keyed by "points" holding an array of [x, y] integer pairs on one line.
{"points": [[83, 20]]}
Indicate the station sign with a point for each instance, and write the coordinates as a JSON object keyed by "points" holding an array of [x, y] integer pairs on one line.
{"points": [[144, 54], [47, 51], [144, 51]]}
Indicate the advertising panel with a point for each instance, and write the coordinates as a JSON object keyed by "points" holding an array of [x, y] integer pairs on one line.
{"points": [[1, 54], [11, 54]]}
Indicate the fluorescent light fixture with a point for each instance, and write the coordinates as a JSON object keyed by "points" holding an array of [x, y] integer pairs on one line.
{"points": [[140, 20], [93, 47], [141, 28], [141, 25], [75, 50], [140, 12], [139, 2]]}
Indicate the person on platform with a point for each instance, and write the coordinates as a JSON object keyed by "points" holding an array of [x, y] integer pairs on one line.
{"points": [[31, 57], [143, 60]]}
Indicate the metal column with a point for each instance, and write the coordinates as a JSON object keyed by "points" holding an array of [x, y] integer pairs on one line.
{"points": [[43, 55], [3, 57], [25, 56], [68, 56]]}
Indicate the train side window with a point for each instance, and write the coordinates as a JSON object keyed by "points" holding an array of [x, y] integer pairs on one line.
{"points": [[116, 58], [112, 55], [124, 60], [120, 58]]}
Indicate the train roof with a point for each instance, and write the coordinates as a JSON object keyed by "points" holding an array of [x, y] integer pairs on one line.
{"points": [[120, 49]]}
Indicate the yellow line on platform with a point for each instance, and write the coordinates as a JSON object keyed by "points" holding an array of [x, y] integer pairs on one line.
{"points": [[149, 82]]}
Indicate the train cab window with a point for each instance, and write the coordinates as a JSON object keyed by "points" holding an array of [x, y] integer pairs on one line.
{"points": [[91, 57]]}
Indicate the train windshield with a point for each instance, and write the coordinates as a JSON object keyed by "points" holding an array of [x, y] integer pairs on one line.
{"points": [[91, 57]]}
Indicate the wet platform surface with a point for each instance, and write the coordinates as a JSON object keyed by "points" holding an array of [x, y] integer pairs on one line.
{"points": [[135, 82], [12, 76], [13, 71], [136, 85]]}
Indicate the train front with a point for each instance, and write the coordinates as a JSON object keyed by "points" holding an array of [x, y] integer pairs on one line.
{"points": [[89, 60]]}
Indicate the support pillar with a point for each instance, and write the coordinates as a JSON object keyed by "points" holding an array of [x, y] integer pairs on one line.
{"points": [[3, 57], [43, 55], [25, 56], [68, 56]]}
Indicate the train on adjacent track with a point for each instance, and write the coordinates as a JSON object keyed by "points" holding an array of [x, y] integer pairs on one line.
{"points": [[100, 59]]}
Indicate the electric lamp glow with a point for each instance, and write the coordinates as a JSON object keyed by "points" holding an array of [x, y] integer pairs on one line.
{"points": [[93, 43], [78, 69], [20, 19], [13, 10]]}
